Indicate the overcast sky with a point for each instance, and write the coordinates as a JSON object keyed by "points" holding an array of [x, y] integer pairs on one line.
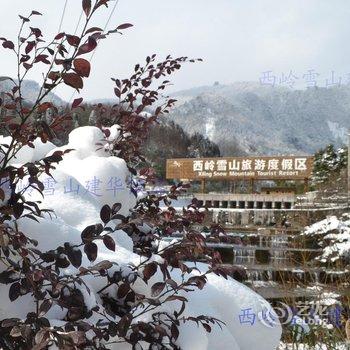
{"points": [[238, 39]]}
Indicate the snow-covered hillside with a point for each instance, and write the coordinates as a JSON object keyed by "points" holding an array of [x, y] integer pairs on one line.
{"points": [[264, 119]]}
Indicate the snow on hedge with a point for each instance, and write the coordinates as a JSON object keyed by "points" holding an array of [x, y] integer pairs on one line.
{"points": [[311, 347], [334, 236], [84, 181]]}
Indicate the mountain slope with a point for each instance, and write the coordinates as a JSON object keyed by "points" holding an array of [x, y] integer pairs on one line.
{"points": [[30, 91], [250, 118]]}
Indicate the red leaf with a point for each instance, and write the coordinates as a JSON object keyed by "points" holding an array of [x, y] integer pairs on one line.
{"points": [[73, 80], [87, 7], [206, 327], [54, 75], [100, 3], [82, 67], [77, 102], [42, 58], [90, 250], [27, 65], [35, 13], [73, 40], [107, 132], [124, 26], [117, 92], [105, 213], [8, 45], [176, 297], [123, 290], [93, 29], [74, 257], [89, 46], [36, 32], [157, 288], [45, 307], [88, 233], [18, 210], [24, 19], [116, 206], [103, 265], [14, 291], [174, 331], [29, 46], [109, 242], [149, 270], [24, 58], [59, 36], [44, 106]]}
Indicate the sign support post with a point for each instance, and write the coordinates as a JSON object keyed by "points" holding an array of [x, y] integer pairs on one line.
{"points": [[203, 185], [251, 185]]}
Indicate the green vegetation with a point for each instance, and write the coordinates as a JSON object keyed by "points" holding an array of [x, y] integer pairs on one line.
{"points": [[169, 140], [329, 162]]}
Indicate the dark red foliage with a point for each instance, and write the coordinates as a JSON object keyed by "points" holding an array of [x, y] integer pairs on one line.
{"points": [[73, 80], [82, 67], [39, 273]]}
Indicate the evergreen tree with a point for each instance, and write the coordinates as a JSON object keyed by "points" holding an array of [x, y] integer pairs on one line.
{"points": [[328, 162]]}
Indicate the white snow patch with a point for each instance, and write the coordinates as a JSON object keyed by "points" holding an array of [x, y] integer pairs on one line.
{"points": [[223, 299]]}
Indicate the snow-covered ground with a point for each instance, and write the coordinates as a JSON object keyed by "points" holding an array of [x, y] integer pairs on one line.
{"points": [[88, 179]]}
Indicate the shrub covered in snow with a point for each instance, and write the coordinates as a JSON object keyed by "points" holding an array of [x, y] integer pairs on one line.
{"points": [[82, 260], [333, 235]]}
